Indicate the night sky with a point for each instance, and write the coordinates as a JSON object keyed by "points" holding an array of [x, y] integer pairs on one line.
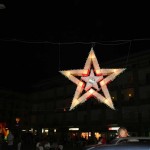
{"points": [[37, 39]]}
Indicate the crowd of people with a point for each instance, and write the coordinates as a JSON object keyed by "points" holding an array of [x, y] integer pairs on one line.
{"points": [[44, 144], [27, 141]]}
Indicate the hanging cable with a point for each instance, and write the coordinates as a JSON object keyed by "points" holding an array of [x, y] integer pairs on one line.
{"points": [[130, 44], [59, 61]]}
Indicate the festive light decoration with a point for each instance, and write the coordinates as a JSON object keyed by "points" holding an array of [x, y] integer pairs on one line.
{"points": [[92, 81]]}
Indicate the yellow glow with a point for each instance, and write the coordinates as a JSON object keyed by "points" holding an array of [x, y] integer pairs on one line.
{"points": [[107, 102], [81, 84], [85, 72], [84, 135], [130, 94], [98, 72], [115, 70], [102, 83], [91, 91], [75, 102], [67, 73], [92, 56], [97, 135]]}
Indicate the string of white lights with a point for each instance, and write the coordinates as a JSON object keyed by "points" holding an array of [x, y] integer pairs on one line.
{"points": [[111, 43]]}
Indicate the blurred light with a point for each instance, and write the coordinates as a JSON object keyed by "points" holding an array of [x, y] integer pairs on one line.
{"points": [[42, 130], [113, 128], [17, 120], [130, 94], [31, 130], [2, 6], [97, 135], [89, 134], [73, 129]]}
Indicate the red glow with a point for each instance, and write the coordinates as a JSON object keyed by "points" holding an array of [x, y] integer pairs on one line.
{"points": [[87, 74], [108, 82], [89, 96], [3, 128]]}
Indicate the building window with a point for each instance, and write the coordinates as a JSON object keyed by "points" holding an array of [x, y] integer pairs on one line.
{"points": [[113, 95], [128, 94]]}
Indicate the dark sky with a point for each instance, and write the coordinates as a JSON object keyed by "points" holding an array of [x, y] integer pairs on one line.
{"points": [[75, 20], [30, 34]]}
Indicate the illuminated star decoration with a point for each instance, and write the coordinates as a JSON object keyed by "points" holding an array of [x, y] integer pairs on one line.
{"points": [[92, 81]]}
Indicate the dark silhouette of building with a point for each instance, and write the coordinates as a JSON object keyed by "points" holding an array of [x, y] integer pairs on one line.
{"points": [[47, 106]]}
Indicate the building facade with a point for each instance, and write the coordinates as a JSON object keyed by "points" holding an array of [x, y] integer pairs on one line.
{"points": [[46, 108]]}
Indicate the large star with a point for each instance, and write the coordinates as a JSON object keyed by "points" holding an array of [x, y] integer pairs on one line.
{"points": [[91, 81]]}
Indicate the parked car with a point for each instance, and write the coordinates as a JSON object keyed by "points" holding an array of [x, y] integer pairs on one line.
{"points": [[129, 143], [131, 140]]}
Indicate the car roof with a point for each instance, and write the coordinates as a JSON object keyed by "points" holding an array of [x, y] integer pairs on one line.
{"points": [[135, 143], [131, 139], [129, 146]]}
